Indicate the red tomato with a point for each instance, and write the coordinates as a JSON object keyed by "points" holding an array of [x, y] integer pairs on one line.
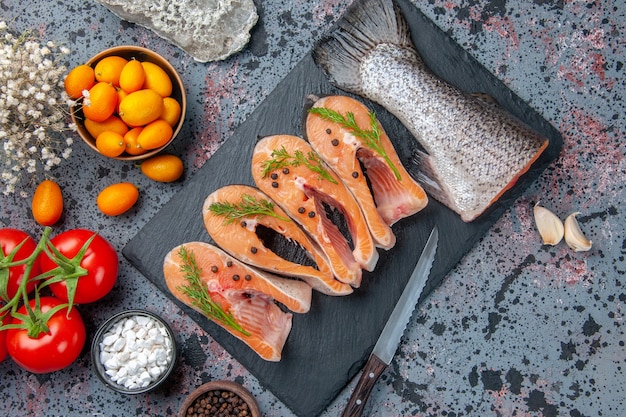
{"points": [[50, 351], [100, 262], [9, 240]]}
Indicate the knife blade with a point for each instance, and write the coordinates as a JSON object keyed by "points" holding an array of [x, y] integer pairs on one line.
{"points": [[389, 339]]}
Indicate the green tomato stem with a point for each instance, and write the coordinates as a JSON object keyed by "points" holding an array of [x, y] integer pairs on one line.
{"points": [[68, 270]]}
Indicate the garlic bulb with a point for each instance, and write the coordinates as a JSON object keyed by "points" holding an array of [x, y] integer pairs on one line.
{"points": [[549, 226], [574, 236]]}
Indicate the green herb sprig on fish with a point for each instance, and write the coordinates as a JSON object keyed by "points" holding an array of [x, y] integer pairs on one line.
{"points": [[371, 137], [249, 206], [199, 293], [281, 159]]}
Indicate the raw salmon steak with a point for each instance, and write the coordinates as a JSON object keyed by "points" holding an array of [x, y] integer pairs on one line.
{"points": [[289, 171], [246, 223], [473, 151], [346, 134], [237, 297]]}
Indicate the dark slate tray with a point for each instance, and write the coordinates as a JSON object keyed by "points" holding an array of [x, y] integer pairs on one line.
{"points": [[330, 344]]}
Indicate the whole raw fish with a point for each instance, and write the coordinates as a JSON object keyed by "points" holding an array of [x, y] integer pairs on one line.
{"points": [[473, 150]]}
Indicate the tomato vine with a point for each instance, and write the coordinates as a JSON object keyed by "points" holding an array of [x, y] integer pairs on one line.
{"points": [[71, 265]]}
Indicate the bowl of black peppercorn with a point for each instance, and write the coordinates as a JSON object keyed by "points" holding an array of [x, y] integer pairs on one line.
{"points": [[223, 398]]}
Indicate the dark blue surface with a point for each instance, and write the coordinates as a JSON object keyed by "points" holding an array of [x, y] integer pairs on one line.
{"points": [[516, 328]]}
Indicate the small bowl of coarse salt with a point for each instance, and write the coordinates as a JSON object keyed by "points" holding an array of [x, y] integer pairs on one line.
{"points": [[134, 352]]}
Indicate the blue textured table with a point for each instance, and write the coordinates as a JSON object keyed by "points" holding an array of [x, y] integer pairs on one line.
{"points": [[516, 328]]}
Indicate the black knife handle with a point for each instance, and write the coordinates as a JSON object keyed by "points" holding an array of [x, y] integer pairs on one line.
{"points": [[372, 370]]}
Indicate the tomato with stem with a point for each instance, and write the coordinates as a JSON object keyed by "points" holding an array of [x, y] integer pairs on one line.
{"points": [[16, 247], [82, 264], [45, 336]]}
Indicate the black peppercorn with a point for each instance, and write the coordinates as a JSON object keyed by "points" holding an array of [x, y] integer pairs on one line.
{"points": [[218, 403], [274, 184], [328, 131], [311, 214], [229, 263], [335, 142], [301, 210], [274, 175], [214, 269], [244, 224], [253, 249], [285, 171], [248, 277], [235, 277], [355, 174]]}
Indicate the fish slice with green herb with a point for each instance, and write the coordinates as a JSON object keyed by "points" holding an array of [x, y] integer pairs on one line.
{"points": [[348, 136], [247, 224], [239, 298], [325, 209]]}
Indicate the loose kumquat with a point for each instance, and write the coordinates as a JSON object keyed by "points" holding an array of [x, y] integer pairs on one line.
{"points": [[47, 203], [117, 198]]}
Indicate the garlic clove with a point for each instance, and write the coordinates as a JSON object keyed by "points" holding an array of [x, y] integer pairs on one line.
{"points": [[549, 226], [574, 237]]}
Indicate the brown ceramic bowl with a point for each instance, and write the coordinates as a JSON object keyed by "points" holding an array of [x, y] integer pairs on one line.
{"points": [[142, 54], [224, 386]]}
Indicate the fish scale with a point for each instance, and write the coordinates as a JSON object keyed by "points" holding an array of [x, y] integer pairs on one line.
{"points": [[473, 151]]}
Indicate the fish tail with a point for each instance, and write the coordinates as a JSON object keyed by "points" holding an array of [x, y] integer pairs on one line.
{"points": [[364, 26]]}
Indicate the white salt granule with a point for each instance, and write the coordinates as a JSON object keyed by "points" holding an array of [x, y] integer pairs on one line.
{"points": [[136, 351]]}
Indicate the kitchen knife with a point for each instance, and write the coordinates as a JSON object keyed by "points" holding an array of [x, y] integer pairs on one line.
{"points": [[390, 337]]}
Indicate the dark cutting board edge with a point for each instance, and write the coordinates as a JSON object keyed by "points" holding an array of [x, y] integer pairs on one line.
{"points": [[330, 344]]}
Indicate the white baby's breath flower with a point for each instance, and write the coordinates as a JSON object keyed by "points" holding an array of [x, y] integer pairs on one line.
{"points": [[33, 112]]}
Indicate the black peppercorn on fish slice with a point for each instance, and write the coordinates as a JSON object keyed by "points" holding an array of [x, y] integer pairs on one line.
{"points": [[349, 138], [474, 151], [289, 171], [245, 294], [246, 223]]}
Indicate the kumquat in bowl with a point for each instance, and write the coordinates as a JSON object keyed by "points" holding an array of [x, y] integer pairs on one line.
{"points": [[130, 102]]}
